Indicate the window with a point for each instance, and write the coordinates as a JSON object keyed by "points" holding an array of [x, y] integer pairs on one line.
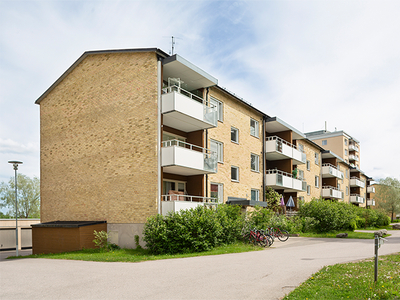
{"points": [[308, 165], [316, 181], [347, 190], [234, 135], [254, 128], [345, 142], [347, 173], [217, 191], [254, 164], [300, 176], [345, 152], [300, 147], [308, 190], [176, 186], [255, 195], [220, 108], [324, 142], [316, 158], [234, 173], [338, 186], [170, 136], [218, 147]]}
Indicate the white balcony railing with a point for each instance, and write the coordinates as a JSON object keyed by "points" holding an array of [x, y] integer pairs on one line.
{"points": [[182, 158], [331, 192], [354, 181], [185, 111], [355, 198], [277, 149], [370, 189], [329, 170], [353, 157], [176, 203], [281, 180], [371, 202], [353, 147]]}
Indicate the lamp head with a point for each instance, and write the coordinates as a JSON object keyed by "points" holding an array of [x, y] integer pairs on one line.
{"points": [[15, 163]]}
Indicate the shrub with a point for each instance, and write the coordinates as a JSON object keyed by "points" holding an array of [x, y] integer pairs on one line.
{"points": [[100, 239]]}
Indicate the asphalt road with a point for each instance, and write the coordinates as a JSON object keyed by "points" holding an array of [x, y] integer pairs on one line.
{"points": [[268, 274]]}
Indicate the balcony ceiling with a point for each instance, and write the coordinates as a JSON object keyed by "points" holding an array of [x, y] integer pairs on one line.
{"points": [[184, 171], [183, 122], [192, 76], [275, 125]]}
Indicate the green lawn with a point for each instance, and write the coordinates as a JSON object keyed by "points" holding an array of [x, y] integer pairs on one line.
{"points": [[353, 281], [351, 235], [137, 255]]}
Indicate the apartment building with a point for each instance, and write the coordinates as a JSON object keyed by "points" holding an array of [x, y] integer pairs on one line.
{"points": [[127, 134]]}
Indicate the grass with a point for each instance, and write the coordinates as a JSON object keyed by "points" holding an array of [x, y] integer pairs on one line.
{"points": [[138, 255], [353, 281]]}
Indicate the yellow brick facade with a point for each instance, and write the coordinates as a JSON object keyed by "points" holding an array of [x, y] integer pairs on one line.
{"points": [[98, 141], [237, 115]]}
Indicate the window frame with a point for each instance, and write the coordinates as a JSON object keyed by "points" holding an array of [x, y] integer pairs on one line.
{"points": [[256, 128], [324, 142], [220, 190], [237, 135], [220, 150], [257, 162], [316, 156], [308, 165], [220, 108], [316, 181], [257, 193], [308, 189], [237, 173]]}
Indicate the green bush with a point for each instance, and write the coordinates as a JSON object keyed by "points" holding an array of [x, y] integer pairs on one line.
{"points": [[193, 230]]}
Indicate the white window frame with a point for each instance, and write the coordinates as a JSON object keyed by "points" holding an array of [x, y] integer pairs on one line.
{"points": [[300, 175], [324, 142], [316, 181], [316, 158], [308, 190], [308, 164], [220, 191], [218, 147], [257, 162], [220, 108], [347, 190], [237, 173], [254, 132], [237, 135], [256, 194], [345, 152], [176, 182]]}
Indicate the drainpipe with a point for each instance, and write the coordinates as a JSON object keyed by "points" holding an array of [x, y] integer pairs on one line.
{"points": [[159, 81], [207, 144], [263, 157]]}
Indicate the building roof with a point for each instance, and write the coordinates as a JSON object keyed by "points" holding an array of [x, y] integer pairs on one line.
{"points": [[320, 134]]}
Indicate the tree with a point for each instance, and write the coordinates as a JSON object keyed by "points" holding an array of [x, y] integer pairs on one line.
{"points": [[388, 195], [273, 198], [28, 196]]}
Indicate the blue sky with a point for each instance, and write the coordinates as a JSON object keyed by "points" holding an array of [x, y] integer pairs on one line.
{"points": [[306, 62]]}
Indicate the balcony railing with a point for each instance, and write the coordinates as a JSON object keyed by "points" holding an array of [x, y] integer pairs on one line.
{"points": [[331, 192], [353, 147], [176, 203], [187, 112], [371, 202], [329, 170], [277, 149], [281, 180], [356, 182], [353, 157], [182, 158], [370, 189], [355, 198]]}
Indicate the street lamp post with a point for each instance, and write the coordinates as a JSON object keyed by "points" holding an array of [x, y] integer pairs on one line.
{"points": [[15, 165]]}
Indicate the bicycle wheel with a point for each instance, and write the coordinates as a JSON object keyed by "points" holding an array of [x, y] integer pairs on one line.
{"points": [[283, 236], [270, 240], [262, 240]]}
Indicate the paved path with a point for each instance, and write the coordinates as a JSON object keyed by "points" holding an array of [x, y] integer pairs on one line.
{"points": [[268, 274]]}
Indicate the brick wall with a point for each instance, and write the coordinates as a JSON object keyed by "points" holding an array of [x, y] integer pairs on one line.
{"points": [[98, 141]]}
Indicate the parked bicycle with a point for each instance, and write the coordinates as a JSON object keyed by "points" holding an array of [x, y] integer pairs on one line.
{"points": [[257, 237], [276, 232]]}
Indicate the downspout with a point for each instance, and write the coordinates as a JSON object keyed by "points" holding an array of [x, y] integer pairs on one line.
{"points": [[159, 80], [207, 144], [263, 157]]}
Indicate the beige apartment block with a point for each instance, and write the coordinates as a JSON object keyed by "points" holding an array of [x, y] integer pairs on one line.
{"points": [[311, 170], [247, 123], [345, 182]]}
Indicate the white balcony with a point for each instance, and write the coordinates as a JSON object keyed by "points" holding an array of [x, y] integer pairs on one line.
{"points": [[353, 147], [370, 202], [329, 170], [370, 189], [355, 198], [278, 149], [175, 203], [185, 159], [282, 180], [353, 157], [356, 182], [331, 192], [185, 111]]}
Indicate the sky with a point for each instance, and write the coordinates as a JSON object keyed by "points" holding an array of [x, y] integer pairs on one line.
{"points": [[306, 62]]}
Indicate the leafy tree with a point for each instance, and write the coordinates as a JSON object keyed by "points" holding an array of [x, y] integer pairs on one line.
{"points": [[388, 195], [273, 199], [28, 196]]}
